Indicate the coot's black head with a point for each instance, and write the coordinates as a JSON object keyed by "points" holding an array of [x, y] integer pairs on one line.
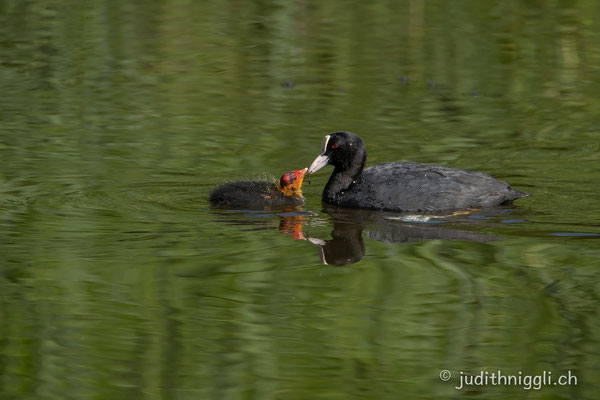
{"points": [[344, 150]]}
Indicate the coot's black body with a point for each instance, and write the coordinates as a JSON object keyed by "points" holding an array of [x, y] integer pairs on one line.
{"points": [[402, 186], [260, 193]]}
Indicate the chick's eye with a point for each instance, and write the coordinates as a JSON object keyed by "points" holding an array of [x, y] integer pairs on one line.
{"points": [[334, 146], [292, 177]]}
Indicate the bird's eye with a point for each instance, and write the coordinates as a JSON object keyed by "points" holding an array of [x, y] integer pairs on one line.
{"points": [[334, 146], [292, 177]]}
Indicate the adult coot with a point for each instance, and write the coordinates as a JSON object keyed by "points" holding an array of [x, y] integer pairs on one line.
{"points": [[402, 186], [288, 192]]}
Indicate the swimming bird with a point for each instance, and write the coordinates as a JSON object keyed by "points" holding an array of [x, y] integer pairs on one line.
{"points": [[402, 186], [288, 192]]}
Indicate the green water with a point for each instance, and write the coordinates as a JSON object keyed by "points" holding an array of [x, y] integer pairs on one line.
{"points": [[118, 281]]}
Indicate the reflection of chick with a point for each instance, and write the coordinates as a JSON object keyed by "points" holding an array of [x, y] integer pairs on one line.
{"points": [[292, 225], [288, 192]]}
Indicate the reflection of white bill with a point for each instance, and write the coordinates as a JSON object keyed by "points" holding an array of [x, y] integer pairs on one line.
{"points": [[317, 241]]}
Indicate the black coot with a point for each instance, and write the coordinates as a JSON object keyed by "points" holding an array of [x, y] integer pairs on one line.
{"points": [[288, 192], [402, 186]]}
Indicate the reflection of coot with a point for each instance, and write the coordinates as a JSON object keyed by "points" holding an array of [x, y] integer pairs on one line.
{"points": [[346, 245], [402, 186], [288, 192], [416, 233]]}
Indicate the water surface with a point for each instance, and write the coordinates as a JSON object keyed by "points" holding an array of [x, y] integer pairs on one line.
{"points": [[118, 280]]}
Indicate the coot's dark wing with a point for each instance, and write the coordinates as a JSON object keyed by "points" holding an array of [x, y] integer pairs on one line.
{"points": [[408, 186]]}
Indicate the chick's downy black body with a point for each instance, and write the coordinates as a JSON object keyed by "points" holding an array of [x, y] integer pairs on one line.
{"points": [[260, 193], [402, 186]]}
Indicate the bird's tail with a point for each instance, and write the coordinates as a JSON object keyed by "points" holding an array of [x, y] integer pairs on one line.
{"points": [[516, 194]]}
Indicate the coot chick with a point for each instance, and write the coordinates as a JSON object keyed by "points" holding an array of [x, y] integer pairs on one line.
{"points": [[402, 186], [288, 192]]}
